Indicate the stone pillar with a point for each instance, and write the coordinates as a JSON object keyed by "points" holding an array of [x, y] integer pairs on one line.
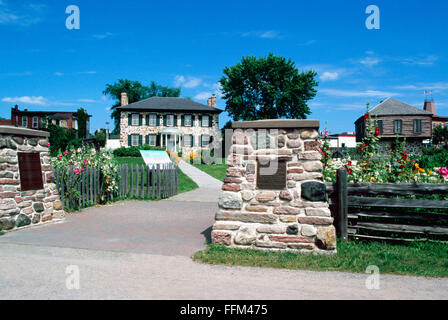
{"points": [[282, 209], [20, 208]]}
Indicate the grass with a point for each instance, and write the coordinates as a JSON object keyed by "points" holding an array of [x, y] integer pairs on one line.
{"points": [[217, 171], [417, 259], [185, 183]]}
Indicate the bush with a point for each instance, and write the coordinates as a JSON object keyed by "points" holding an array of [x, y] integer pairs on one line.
{"points": [[134, 151], [433, 158]]}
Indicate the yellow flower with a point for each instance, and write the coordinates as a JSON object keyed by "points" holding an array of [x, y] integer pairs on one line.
{"points": [[429, 172], [421, 170]]}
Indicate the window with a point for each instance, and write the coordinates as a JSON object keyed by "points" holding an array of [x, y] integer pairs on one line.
{"points": [[379, 124], [205, 121], [35, 122], [152, 120], [63, 123], [188, 140], [205, 140], [135, 119], [188, 120], [135, 140], [397, 126], [75, 124], [17, 120], [418, 126], [170, 120], [25, 122], [152, 140]]}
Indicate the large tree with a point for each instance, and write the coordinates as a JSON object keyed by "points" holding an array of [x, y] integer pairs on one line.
{"points": [[136, 92], [440, 135], [267, 88]]}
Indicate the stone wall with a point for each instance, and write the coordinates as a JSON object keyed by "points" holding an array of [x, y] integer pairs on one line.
{"points": [[24, 208], [412, 146], [295, 217], [196, 130]]}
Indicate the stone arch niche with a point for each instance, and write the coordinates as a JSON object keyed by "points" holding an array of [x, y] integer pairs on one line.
{"points": [[273, 197]]}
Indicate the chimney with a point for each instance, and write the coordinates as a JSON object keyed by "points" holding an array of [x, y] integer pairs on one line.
{"points": [[430, 106], [124, 99], [212, 101], [16, 107]]}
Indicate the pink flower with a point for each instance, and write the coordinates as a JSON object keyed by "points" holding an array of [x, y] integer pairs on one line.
{"points": [[76, 171], [444, 172], [60, 157], [48, 145], [66, 152], [85, 162], [82, 169]]}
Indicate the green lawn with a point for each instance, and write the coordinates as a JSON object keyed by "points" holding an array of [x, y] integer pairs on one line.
{"points": [[217, 171], [185, 183], [419, 259]]}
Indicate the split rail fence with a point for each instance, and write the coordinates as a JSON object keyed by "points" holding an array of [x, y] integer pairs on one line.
{"points": [[158, 182], [388, 212]]}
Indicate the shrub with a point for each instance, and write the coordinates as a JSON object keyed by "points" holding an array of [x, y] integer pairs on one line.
{"points": [[134, 151], [433, 158]]}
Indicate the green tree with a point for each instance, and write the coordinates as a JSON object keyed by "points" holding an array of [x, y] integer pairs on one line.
{"points": [[440, 135], [100, 136], [82, 117], [136, 92], [267, 88]]}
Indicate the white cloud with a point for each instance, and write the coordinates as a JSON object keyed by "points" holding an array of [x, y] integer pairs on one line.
{"points": [[370, 61], [426, 61], [424, 86], [267, 34], [361, 93], [87, 72], [307, 43], [58, 74], [41, 101], [103, 35], [327, 76], [187, 82], [87, 100], [203, 96], [23, 14]]}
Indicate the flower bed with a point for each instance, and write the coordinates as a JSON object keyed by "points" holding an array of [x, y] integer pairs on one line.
{"points": [[398, 166]]}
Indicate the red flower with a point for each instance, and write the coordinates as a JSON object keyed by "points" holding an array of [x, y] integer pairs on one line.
{"points": [[377, 132], [367, 115]]}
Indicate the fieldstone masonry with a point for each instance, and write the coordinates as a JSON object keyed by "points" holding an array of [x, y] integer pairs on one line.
{"points": [[24, 208], [295, 217]]}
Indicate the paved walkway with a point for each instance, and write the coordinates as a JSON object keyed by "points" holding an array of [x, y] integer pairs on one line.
{"points": [[33, 272], [209, 187]]}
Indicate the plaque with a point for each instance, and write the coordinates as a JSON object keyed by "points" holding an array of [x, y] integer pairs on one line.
{"points": [[30, 171], [271, 175]]}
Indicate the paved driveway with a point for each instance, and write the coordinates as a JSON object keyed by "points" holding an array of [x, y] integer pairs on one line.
{"points": [[163, 227]]}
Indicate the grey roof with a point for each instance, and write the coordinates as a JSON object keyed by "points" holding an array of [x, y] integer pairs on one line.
{"points": [[169, 104], [392, 106]]}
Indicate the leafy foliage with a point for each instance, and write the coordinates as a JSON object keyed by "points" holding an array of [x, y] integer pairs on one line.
{"points": [[267, 88], [82, 117], [440, 135], [136, 92], [134, 151]]}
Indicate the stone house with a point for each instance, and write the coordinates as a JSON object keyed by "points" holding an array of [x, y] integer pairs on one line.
{"points": [[179, 124], [395, 118]]}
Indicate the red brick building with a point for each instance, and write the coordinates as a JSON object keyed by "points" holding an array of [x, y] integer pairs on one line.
{"points": [[33, 119]]}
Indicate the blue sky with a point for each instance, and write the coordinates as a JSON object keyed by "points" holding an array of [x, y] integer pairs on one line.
{"points": [[45, 66]]}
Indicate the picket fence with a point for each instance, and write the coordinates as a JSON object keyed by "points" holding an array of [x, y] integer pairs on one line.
{"points": [[159, 182]]}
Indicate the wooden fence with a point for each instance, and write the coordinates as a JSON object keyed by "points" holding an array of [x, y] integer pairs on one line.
{"points": [[159, 182], [375, 211]]}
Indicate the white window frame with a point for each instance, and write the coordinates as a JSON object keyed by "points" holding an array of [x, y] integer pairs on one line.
{"points": [[189, 116], [135, 140], [25, 121], [152, 140], [168, 118], [152, 120], [207, 122], [190, 141], [135, 120], [35, 122], [202, 140]]}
